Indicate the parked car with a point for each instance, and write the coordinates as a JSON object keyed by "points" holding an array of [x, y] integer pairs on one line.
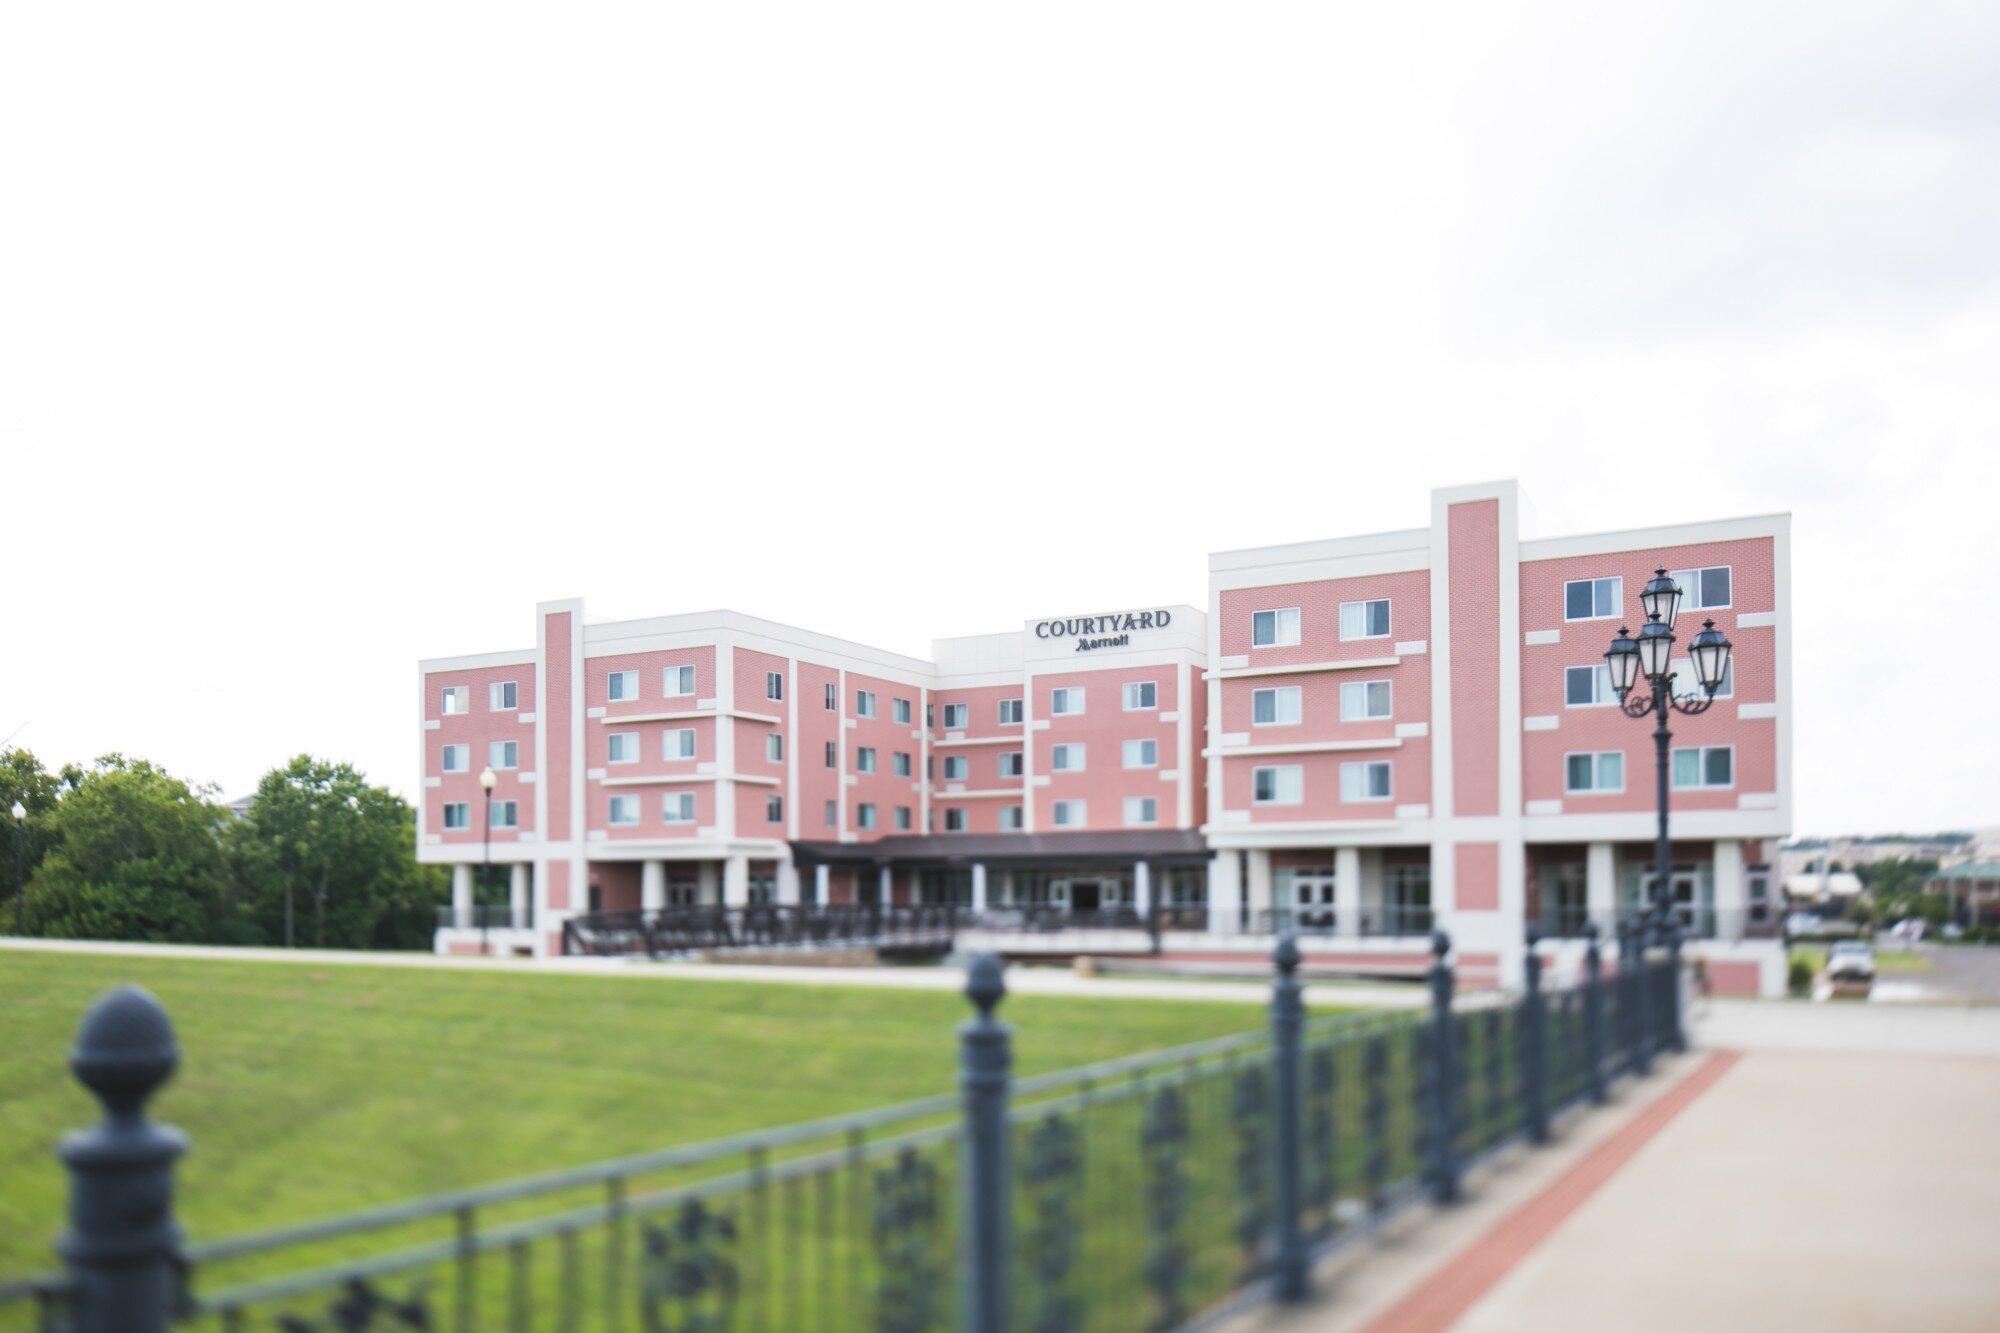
{"points": [[1850, 960]]}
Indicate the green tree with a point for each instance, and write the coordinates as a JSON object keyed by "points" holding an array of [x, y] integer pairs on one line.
{"points": [[323, 849], [132, 853], [23, 782]]}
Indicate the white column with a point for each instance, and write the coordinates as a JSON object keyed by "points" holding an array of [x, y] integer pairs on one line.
{"points": [[1142, 888], [978, 886], [788, 881], [461, 896], [1007, 888], [517, 894], [822, 883], [736, 881], [652, 885], [1600, 888], [1258, 890], [704, 884], [884, 881], [1347, 890], [1732, 898], [1225, 892]]}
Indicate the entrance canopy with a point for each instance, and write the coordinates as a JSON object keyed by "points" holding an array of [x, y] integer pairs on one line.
{"points": [[1111, 847]]}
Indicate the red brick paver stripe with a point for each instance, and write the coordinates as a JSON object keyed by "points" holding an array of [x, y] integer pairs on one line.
{"points": [[1477, 1269]]}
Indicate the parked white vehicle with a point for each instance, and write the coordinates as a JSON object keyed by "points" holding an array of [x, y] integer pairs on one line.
{"points": [[1850, 960]]}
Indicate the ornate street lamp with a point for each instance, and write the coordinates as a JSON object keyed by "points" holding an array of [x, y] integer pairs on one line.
{"points": [[20, 813], [486, 780], [1651, 655]]}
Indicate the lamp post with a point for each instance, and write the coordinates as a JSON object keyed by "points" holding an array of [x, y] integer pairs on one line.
{"points": [[1651, 655], [20, 813], [486, 781]]}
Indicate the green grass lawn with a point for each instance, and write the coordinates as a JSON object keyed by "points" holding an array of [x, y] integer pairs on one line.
{"points": [[315, 1090], [1888, 962]]}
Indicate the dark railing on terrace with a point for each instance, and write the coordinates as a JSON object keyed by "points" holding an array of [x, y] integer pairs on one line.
{"points": [[1411, 920], [477, 918], [1147, 1192], [917, 931]]}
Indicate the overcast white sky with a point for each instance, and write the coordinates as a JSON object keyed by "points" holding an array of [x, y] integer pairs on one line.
{"points": [[336, 336]]}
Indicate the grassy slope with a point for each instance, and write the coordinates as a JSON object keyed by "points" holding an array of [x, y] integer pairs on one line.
{"points": [[310, 1090]]}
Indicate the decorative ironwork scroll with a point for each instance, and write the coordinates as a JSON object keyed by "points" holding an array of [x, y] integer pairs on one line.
{"points": [[690, 1276], [907, 1197], [1375, 1114], [1321, 1183], [1051, 1173], [1249, 1107], [360, 1308], [1162, 1144]]}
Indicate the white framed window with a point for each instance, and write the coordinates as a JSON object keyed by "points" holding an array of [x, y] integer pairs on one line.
{"points": [[1275, 706], [774, 748], [503, 754], [1141, 810], [864, 815], [1365, 700], [1141, 695], [900, 710], [774, 809], [864, 703], [677, 744], [864, 759], [1066, 702], [957, 768], [677, 807], [1368, 780], [900, 764], [457, 758], [1365, 620], [1594, 771], [954, 819], [1010, 712], [457, 815], [1011, 764], [1274, 629], [1705, 766], [956, 716], [503, 696], [905, 818], [624, 811], [1593, 599], [832, 813], [1706, 589], [621, 686], [1142, 754], [453, 700], [506, 814], [1686, 682], [1066, 758], [1278, 784], [774, 684], [1070, 814], [1011, 818], [677, 681], [832, 697], [1588, 686], [622, 747]]}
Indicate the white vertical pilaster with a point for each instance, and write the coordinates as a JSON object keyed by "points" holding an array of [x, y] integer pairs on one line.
{"points": [[822, 883], [923, 719], [1027, 750], [704, 885], [791, 762], [884, 885], [736, 881], [1732, 898], [1600, 885], [461, 895], [652, 885], [1184, 756], [1225, 892], [1142, 887], [788, 881], [840, 759], [1347, 890], [978, 886], [517, 894], [1258, 890], [725, 739]]}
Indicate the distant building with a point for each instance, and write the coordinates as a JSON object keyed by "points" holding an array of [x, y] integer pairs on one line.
{"points": [[1845, 853], [1974, 890], [1823, 886]]}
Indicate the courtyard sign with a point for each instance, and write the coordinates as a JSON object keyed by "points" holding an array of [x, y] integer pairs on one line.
{"points": [[1112, 631]]}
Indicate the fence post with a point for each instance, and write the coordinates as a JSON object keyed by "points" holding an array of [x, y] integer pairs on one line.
{"points": [[123, 1247], [985, 1059], [1640, 1029], [1675, 1021], [1287, 1023], [1593, 1016], [1534, 1052], [1444, 1095]]}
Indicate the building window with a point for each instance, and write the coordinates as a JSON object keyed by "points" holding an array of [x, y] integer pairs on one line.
{"points": [[832, 697], [900, 710], [1066, 702], [1365, 620], [1366, 781], [1141, 695], [955, 716], [675, 681], [1011, 818], [954, 819], [832, 813], [503, 754], [1588, 686], [677, 744], [506, 814], [833, 754], [864, 815], [503, 696], [1010, 764], [1010, 712], [1274, 629], [457, 814], [900, 764], [1704, 589], [864, 759], [622, 747], [1705, 766], [864, 703], [1688, 683], [774, 809], [455, 699], [1142, 754], [1141, 810], [1070, 814], [457, 758], [1592, 599], [904, 819], [1280, 784], [957, 768], [621, 686], [1599, 771], [774, 684], [774, 747], [1066, 758], [677, 807], [624, 811], [1275, 706], [1364, 700]]}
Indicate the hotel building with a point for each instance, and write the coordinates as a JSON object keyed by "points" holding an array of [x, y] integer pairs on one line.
{"points": [[1361, 738]]}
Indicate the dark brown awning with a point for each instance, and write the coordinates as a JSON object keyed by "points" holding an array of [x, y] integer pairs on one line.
{"points": [[933, 850]]}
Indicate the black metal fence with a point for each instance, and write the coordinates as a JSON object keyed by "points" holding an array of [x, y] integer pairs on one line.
{"points": [[1144, 1193]]}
